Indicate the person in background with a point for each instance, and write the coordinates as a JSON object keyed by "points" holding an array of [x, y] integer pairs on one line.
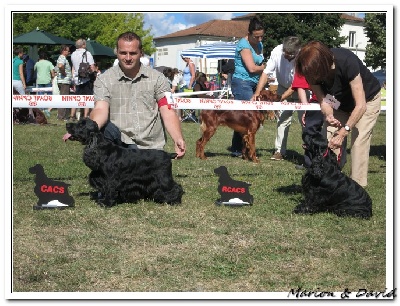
{"points": [[200, 85], [189, 76], [95, 74], [175, 79], [82, 85], [44, 75], [97, 70], [312, 120], [64, 78], [19, 83], [282, 63], [178, 83], [44, 71], [350, 99], [169, 74], [248, 67], [130, 104], [189, 72], [29, 71], [227, 70]]}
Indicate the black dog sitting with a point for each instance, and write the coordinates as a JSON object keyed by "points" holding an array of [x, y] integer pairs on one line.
{"points": [[327, 189], [122, 175]]}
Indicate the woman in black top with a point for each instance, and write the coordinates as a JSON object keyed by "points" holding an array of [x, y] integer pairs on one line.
{"points": [[350, 100], [200, 85]]}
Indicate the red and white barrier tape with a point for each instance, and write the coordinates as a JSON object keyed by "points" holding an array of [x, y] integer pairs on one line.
{"points": [[226, 104], [179, 102], [80, 101], [50, 101]]}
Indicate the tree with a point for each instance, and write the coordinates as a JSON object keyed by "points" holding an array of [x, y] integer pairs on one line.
{"points": [[102, 27], [375, 29], [113, 24], [324, 27]]}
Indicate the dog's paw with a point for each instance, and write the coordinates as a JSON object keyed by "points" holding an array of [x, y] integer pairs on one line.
{"points": [[105, 202], [95, 195], [305, 210]]}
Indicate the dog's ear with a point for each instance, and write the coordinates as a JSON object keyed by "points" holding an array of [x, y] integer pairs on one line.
{"points": [[92, 125], [333, 158]]}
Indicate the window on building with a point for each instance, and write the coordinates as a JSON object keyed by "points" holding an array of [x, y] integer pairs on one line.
{"points": [[162, 51], [352, 39]]}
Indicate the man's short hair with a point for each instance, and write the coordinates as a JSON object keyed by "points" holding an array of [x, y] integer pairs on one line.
{"points": [[129, 36], [80, 43]]}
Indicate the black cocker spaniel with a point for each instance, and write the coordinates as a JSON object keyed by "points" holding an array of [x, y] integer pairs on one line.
{"points": [[327, 189], [124, 175]]}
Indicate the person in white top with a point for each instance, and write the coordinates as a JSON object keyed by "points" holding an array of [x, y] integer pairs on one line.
{"points": [[82, 85], [282, 64]]}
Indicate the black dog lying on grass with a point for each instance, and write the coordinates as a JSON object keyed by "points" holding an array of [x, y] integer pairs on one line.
{"points": [[327, 189], [124, 175]]}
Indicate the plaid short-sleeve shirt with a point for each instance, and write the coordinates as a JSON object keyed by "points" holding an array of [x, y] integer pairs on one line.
{"points": [[133, 104]]}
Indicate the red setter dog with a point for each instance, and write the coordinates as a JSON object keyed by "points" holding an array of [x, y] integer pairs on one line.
{"points": [[245, 122]]}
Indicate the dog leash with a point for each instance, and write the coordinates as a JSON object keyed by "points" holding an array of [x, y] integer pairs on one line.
{"points": [[339, 156]]}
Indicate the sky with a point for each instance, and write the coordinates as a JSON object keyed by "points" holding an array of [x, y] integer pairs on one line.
{"points": [[166, 23]]}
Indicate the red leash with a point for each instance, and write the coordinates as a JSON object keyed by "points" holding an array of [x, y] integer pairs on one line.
{"points": [[339, 156]]}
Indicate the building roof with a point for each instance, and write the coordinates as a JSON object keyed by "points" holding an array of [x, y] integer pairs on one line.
{"points": [[217, 28], [352, 18], [237, 27]]}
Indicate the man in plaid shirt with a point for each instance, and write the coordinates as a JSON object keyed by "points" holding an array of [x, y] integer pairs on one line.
{"points": [[130, 102]]}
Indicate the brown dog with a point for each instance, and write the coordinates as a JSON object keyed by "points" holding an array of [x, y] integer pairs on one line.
{"points": [[21, 116], [265, 95], [245, 122]]}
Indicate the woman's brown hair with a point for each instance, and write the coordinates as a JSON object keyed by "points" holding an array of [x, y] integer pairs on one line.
{"points": [[314, 62]]}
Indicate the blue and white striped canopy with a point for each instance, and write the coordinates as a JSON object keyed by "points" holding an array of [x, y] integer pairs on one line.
{"points": [[217, 51]]}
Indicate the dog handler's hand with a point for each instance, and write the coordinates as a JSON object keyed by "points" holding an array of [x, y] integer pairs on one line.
{"points": [[255, 97], [180, 148], [333, 121], [337, 140], [303, 119]]}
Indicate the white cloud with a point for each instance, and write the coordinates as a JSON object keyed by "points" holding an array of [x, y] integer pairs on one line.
{"points": [[163, 24]]}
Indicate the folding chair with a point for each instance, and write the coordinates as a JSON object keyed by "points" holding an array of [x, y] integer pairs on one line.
{"points": [[189, 114]]}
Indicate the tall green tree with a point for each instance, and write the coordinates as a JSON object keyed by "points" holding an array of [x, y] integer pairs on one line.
{"points": [[102, 27], [375, 29], [324, 27], [113, 24]]}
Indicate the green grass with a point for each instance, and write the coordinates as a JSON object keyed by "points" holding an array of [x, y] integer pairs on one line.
{"points": [[195, 246]]}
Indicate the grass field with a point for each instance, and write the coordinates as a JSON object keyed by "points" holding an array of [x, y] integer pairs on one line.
{"points": [[196, 246]]}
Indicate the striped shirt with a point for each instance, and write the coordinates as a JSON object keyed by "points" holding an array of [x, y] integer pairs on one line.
{"points": [[61, 79], [133, 104]]}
